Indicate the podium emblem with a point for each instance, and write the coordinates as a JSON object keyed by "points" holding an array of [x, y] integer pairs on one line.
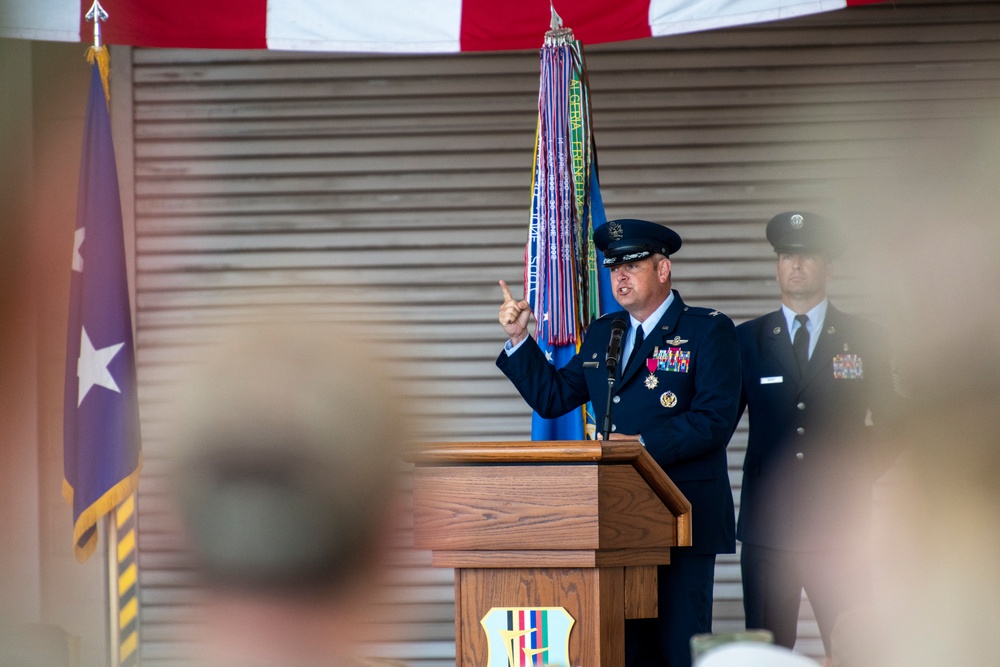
{"points": [[521, 636]]}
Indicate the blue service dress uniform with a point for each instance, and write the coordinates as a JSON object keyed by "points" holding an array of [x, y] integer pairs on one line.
{"points": [[685, 409], [813, 455]]}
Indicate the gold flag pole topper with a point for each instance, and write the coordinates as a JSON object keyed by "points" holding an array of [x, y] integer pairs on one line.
{"points": [[97, 51]]}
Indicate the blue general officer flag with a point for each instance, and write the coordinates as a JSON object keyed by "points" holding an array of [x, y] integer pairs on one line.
{"points": [[101, 447]]}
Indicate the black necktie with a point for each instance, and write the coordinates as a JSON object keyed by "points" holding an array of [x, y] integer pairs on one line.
{"points": [[635, 346], [801, 342]]}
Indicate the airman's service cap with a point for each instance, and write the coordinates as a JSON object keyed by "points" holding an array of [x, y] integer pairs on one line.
{"points": [[628, 240], [802, 232]]}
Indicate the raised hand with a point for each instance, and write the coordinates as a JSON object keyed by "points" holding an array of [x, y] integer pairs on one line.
{"points": [[514, 315]]}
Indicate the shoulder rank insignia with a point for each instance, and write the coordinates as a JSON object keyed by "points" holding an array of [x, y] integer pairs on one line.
{"points": [[714, 313]]}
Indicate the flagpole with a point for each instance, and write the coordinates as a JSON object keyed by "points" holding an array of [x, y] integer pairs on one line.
{"points": [[111, 590], [98, 14]]}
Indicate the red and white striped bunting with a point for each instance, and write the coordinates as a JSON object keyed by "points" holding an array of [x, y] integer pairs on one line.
{"points": [[385, 26]]}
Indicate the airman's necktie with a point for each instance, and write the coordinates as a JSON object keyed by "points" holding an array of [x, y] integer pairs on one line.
{"points": [[639, 335], [801, 342]]}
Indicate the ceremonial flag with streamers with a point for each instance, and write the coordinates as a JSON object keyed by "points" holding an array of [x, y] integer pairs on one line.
{"points": [[101, 450], [562, 275]]}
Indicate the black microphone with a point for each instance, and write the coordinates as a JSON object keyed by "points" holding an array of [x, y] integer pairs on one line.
{"points": [[615, 345], [614, 356]]}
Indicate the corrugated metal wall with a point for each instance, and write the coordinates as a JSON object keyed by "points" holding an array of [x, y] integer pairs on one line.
{"points": [[394, 190]]}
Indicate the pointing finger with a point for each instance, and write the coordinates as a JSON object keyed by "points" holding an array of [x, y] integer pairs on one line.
{"points": [[506, 291]]}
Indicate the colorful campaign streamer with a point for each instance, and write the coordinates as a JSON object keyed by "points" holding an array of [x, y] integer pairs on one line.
{"points": [[562, 275]]}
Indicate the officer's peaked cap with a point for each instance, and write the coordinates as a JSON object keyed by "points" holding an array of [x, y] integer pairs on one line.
{"points": [[799, 232], [629, 240]]}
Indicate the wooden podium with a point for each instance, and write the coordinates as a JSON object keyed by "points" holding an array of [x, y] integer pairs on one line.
{"points": [[580, 525]]}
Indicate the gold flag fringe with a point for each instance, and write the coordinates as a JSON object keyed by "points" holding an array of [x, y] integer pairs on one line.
{"points": [[103, 58], [103, 505]]}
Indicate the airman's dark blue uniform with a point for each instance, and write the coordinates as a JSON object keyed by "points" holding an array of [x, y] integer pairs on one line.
{"points": [[813, 454], [683, 402]]}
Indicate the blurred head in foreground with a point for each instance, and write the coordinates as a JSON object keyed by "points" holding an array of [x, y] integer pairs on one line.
{"points": [[285, 476], [935, 249]]}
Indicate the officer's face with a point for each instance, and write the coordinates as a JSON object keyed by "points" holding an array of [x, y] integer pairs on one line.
{"points": [[640, 287], [803, 276]]}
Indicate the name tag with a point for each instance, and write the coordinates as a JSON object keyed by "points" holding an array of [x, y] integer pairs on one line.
{"points": [[591, 364], [777, 379]]}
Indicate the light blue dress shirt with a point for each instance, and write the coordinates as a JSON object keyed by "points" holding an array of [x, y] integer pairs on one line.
{"points": [[815, 325]]}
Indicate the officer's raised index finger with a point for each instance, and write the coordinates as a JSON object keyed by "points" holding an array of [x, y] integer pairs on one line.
{"points": [[506, 290]]}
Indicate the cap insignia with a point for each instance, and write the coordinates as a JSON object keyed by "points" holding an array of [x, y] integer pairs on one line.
{"points": [[615, 231], [796, 221]]}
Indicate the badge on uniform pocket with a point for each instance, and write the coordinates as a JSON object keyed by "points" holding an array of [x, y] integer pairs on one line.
{"points": [[847, 367]]}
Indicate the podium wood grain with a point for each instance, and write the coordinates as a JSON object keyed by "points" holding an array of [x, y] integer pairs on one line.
{"points": [[538, 507]]}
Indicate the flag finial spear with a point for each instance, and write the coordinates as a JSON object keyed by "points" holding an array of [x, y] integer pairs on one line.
{"points": [[97, 53], [557, 34], [556, 22], [96, 14]]}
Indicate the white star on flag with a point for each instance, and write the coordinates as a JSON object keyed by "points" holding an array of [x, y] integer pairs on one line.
{"points": [[548, 356], [92, 367]]}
